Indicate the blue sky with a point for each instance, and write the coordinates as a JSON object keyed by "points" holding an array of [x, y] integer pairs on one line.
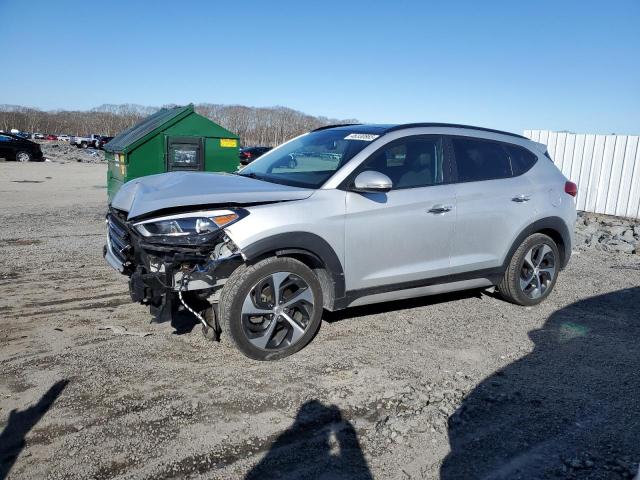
{"points": [[571, 65]]}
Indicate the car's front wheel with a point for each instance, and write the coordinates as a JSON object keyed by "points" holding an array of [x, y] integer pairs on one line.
{"points": [[532, 272], [271, 309], [23, 157]]}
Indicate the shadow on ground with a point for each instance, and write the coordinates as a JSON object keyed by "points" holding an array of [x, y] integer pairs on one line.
{"points": [[319, 444], [183, 322], [12, 438], [570, 409]]}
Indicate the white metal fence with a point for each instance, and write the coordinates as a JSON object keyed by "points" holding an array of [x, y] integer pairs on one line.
{"points": [[605, 167]]}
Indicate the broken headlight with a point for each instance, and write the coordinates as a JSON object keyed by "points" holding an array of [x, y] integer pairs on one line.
{"points": [[194, 223]]}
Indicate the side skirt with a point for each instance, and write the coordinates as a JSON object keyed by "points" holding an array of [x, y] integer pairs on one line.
{"points": [[419, 288]]}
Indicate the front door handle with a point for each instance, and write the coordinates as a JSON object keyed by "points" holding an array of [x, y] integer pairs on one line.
{"points": [[521, 198], [436, 209]]}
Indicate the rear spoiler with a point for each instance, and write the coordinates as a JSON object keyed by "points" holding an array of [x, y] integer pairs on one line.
{"points": [[541, 148]]}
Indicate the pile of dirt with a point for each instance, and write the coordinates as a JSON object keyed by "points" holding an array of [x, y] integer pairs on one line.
{"points": [[63, 152]]}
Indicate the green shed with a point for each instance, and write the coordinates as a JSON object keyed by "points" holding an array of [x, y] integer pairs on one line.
{"points": [[169, 140]]}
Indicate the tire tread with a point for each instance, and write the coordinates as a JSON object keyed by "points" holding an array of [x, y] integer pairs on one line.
{"points": [[508, 286]]}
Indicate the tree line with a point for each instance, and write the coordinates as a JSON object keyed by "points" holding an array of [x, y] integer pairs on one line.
{"points": [[255, 125]]}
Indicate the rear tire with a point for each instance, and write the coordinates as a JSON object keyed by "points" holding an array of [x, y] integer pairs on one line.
{"points": [[532, 271], [272, 309]]}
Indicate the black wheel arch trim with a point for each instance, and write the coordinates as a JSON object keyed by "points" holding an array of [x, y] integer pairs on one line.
{"points": [[555, 224], [301, 243]]}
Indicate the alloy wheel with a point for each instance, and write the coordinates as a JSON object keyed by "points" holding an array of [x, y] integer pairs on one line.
{"points": [[22, 157], [538, 271], [277, 311]]}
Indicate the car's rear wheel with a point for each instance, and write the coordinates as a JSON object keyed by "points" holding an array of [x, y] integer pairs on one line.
{"points": [[532, 272], [23, 157], [271, 309]]}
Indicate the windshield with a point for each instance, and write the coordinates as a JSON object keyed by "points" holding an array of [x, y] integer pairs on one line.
{"points": [[308, 161]]}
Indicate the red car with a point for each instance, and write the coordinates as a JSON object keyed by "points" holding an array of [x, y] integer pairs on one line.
{"points": [[50, 137]]}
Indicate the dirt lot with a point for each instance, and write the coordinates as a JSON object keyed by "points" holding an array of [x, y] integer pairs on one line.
{"points": [[454, 386]]}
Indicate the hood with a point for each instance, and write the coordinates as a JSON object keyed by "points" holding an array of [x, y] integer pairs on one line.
{"points": [[182, 189]]}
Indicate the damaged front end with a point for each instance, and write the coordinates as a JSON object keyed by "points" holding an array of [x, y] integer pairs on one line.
{"points": [[174, 261]]}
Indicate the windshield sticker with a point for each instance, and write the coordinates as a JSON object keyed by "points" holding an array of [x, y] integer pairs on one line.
{"points": [[367, 137]]}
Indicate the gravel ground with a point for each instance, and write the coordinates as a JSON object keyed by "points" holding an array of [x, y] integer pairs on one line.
{"points": [[451, 386]]}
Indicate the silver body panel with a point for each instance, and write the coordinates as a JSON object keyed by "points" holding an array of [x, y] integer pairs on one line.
{"points": [[392, 238]]}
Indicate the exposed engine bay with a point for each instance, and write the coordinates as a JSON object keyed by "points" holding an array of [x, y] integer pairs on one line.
{"points": [[170, 269]]}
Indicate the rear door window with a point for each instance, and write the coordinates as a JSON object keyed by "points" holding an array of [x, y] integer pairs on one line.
{"points": [[521, 159], [478, 160]]}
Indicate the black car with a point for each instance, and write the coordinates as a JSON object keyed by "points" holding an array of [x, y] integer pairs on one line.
{"points": [[13, 147], [249, 154]]}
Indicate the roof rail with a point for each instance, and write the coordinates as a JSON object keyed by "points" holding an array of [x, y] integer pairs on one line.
{"points": [[326, 127], [450, 125]]}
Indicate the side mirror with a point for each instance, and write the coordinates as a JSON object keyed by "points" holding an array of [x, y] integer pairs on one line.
{"points": [[372, 182]]}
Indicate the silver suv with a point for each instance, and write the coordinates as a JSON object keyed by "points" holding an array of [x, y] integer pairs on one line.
{"points": [[342, 216]]}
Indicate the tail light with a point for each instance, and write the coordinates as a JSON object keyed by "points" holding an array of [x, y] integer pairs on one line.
{"points": [[571, 188]]}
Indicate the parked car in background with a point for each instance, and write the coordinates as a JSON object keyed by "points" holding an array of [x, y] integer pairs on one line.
{"points": [[249, 154], [51, 137], [25, 135], [64, 137], [84, 142], [367, 214], [102, 141], [15, 147], [38, 136]]}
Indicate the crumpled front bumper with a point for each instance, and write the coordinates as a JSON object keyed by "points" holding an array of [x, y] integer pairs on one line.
{"points": [[155, 270]]}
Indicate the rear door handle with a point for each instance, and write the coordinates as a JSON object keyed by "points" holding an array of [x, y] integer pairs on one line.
{"points": [[521, 198], [436, 209]]}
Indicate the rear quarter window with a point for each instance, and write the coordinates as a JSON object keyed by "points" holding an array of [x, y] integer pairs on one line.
{"points": [[521, 159]]}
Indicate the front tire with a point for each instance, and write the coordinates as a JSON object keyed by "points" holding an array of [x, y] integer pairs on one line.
{"points": [[23, 157], [272, 309], [532, 272]]}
